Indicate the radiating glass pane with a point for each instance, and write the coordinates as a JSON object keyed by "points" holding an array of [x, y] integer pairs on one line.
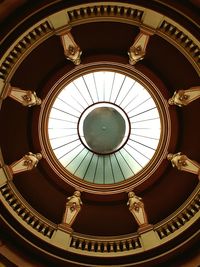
{"points": [[121, 93], [118, 175], [124, 165], [82, 168], [99, 174], [65, 149], [70, 159], [117, 85], [89, 79], [99, 81], [109, 179], [141, 149], [135, 160], [91, 172]]}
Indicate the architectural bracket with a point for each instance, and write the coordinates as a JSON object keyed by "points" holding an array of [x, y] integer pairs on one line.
{"points": [[26, 98], [73, 207], [138, 50], [184, 97], [71, 50], [60, 23], [3, 176], [136, 207], [26, 163], [183, 163]]}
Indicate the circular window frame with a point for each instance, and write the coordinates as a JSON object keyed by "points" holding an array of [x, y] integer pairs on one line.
{"points": [[140, 178], [118, 108]]}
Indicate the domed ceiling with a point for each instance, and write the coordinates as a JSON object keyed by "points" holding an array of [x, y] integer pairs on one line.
{"points": [[85, 89]]}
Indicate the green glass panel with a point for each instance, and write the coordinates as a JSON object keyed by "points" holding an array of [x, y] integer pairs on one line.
{"points": [[104, 129]]}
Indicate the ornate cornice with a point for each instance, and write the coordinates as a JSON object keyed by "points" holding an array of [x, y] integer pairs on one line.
{"points": [[183, 40], [113, 11], [99, 246], [21, 48], [24, 213], [174, 225]]}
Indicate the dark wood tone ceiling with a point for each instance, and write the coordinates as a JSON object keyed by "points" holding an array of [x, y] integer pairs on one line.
{"points": [[105, 41], [112, 40]]}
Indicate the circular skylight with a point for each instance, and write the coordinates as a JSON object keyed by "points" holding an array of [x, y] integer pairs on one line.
{"points": [[104, 127]]}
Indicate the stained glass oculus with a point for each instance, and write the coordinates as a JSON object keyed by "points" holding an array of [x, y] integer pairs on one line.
{"points": [[104, 127]]}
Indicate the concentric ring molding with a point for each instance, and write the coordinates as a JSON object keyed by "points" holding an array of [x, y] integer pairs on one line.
{"points": [[166, 230], [132, 14], [148, 170], [8, 66]]}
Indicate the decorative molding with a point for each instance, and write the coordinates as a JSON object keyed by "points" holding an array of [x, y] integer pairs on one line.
{"points": [[73, 207], [1, 159], [183, 40], [62, 237], [138, 50], [100, 246], [183, 218], [109, 11], [21, 47], [103, 246], [4, 176], [17, 206], [2, 85], [26, 163], [141, 176], [136, 207], [164, 231], [26, 98], [112, 11], [21, 210], [59, 20], [5, 89], [72, 51], [149, 239], [183, 163], [152, 19], [184, 97]]}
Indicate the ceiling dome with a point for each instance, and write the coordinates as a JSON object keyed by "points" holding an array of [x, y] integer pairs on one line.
{"points": [[104, 127], [99, 154]]}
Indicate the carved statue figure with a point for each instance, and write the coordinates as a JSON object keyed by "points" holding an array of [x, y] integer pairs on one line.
{"points": [[184, 97], [136, 207], [73, 207], [183, 163], [27, 163]]}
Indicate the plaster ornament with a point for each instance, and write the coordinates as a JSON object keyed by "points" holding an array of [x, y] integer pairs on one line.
{"points": [[73, 207], [71, 50], [136, 207], [26, 163], [184, 97], [183, 163], [138, 50]]}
